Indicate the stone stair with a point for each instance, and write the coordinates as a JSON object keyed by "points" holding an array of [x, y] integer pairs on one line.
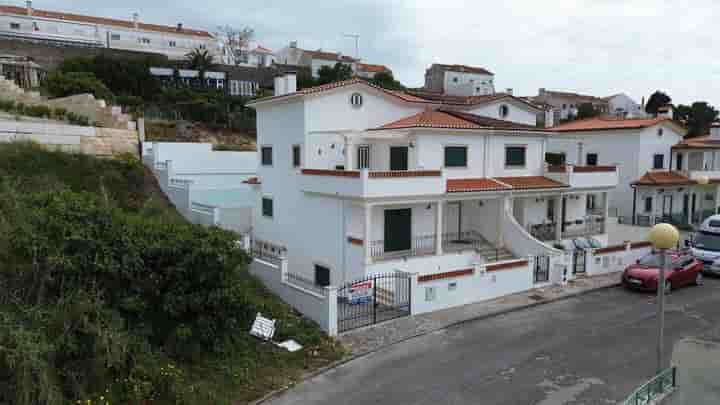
{"points": [[493, 254]]}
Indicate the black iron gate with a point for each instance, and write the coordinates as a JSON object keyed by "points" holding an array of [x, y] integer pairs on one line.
{"points": [[373, 299], [579, 261]]}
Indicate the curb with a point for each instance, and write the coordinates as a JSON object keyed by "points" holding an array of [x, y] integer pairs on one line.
{"points": [[493, 314]]}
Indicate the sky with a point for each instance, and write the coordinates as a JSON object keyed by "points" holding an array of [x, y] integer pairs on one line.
{"points": [[597, 47]]}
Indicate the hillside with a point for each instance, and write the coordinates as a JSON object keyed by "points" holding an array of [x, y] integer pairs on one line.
{"points": [[183, 131], [110, 297]]}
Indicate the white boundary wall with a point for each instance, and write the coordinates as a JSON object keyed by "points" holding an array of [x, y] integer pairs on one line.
{"points": [[614, 258]]}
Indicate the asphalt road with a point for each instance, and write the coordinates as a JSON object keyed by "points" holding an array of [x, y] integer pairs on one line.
{"points": [[592, 349]]}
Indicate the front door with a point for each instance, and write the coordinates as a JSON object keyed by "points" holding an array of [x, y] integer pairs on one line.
{"points": [[398, 230], [398, 158], [563, 217], [686, 208]]}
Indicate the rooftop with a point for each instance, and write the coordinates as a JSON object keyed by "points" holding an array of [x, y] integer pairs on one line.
{"points": [[608, 123], [320, 54], [462, 69], [448, 119], [366, 67], [663, 178], [702, 142], [102, 21], [501, 184], [568, 94]]}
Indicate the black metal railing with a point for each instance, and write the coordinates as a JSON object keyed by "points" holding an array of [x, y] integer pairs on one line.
{"points": [[459, 241], [541, 273], [543, 232], [302, 282]]}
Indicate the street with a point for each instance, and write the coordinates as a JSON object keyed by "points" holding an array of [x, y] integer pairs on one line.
{"points": [[592, 349]]}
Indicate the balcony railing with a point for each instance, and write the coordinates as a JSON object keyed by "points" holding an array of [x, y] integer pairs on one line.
{"points": [[459, 241], [583, 176], [419, 246], [659, 385], [365, 183], [588, 226]]}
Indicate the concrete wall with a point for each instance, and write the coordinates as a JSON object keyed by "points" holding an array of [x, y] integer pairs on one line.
{"points": [[517, 112], [598, 262]]}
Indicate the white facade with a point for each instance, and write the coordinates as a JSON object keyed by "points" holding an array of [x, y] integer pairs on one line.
{"points": [[468, 84], [330, 209], [16, 22], [507, 109], [622, 105], [632, 150]]}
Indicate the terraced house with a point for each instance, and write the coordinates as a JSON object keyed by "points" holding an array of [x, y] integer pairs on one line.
{"points": [[357, 180]]}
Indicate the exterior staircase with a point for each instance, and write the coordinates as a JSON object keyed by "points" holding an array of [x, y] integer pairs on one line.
{"points": [[493, 254]]}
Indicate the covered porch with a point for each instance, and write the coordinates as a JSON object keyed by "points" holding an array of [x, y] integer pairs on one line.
{"points": [[683, 206], [555, 217], [398, 230]]}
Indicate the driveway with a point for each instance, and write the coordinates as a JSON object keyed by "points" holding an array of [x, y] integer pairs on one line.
{"points": [[592, 349]]}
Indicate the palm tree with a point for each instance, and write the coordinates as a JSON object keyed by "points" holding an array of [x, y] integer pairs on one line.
{"points": [[200, 60]]}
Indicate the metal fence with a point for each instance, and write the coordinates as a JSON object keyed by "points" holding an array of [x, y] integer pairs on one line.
{"points": [[302, 282], [660, 384], [419, 245]]}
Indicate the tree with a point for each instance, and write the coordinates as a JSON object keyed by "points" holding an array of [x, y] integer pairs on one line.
{"points": [[386, 81], [60, 84], [235, 42], [587, 110], [656, 100], [698, 117], [339, 72], [200, 60]]}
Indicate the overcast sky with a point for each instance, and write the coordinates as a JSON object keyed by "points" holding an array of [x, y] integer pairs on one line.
{"points": [[599, 47]]}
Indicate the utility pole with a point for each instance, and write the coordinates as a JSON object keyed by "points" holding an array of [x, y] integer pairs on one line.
{"points": [[357, 43]]}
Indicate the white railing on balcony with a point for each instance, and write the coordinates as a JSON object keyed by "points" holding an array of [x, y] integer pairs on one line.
{"points": [[364, 183], [583, 176]]}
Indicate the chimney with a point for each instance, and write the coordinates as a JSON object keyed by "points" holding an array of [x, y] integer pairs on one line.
{"points": [[715, 130], [509, 91], [29, 7], [136, 20], [179, 27]]}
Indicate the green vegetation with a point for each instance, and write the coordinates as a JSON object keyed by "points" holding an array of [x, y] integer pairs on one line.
{"points": [[61, 84], [41, 111], [386, 81], [587, 110], [698, 117], [110, 297], [339, 72], [656, 100]]}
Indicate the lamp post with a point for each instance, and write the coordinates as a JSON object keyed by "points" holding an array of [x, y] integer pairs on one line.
{"points": [[662, 237]]}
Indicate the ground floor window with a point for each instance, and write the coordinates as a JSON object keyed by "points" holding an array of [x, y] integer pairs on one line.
{"points": [[648, 204], [591, 159], [322, 276], [267, 207]]}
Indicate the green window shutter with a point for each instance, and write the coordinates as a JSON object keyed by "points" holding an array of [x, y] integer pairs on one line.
{"points": [[514, 156], [455, 156]]}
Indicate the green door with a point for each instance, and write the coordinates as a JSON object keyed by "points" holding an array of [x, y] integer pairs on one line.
{"points": [[398, 158], [398, 230]]}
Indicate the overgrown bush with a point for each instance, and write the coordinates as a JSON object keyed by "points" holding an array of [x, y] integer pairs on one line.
{"points": [[61, 84]]}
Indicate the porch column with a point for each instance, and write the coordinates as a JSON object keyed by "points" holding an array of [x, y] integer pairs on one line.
{"points": [[606, 210], [367, 236], [439, 226], [558, 217], [349, 153]]}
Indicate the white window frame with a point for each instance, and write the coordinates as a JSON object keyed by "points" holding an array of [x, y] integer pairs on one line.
{"points": [[262, 206], [457, 145]]}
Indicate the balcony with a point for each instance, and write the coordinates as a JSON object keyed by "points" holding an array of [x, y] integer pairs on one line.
{"points": [[424, 245], [698, 174], [583, 176], [588, 226], [365, 184]]}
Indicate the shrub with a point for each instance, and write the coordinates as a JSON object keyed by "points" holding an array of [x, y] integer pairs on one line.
{"points": [[68, 84], [59, 113], [38, 111]]}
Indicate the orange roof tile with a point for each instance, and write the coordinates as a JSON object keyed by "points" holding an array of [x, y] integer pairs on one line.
{"points": [[372, 68], [663, 179], [252, 180], [530, 182], [477, 184], [102, 21], [449, 119], [701, 142], [606, 123]]}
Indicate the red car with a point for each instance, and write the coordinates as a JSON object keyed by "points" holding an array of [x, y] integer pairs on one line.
{"points": [[683, 270]]}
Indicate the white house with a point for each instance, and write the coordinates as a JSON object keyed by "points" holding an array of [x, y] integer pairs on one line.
{"points": [[658, 170], [459, 80], [82, 30], [357, 180], [621, 105], [292, 55]]}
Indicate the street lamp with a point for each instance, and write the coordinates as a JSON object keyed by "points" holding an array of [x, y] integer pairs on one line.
{"points": [[662, 237], [703, 180]]}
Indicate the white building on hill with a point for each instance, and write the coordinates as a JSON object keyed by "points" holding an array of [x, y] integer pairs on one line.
{"points": [[356, 180]]}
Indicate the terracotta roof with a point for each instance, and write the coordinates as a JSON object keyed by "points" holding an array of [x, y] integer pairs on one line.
{"points": [[463, 69], [468, 100], [449, 119], [702, 142], [262, 49], [330, 86], [663, 178], [103, 21], [530, 182], [607, 123], [252, 180], [477, 184], [568, 94], [372, 68], [329, 56]]}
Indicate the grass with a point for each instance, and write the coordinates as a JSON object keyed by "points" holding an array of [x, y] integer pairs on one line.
{"points": [[251, 368]]}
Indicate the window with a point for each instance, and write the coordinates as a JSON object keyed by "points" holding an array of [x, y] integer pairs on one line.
{"points": [[551, 210], [658, 161], [364, 157], [144, 40], [515, 156], [322, 276], [504, 111], [296, 155], [267, 207], [660, 132], [115, 37], [591, 202], [679, 161], [356, 100], [564, 106], [202, 46], [172, 44], [591, 159], [456, 156], [648, 204], [15, 26], [266, 157]]}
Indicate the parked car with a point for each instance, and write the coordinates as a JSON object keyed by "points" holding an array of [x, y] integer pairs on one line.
{"points": [[705, 244], [683, 270]]}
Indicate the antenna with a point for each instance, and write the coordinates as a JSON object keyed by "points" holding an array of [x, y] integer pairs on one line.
{"points": [[357, 43]]}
